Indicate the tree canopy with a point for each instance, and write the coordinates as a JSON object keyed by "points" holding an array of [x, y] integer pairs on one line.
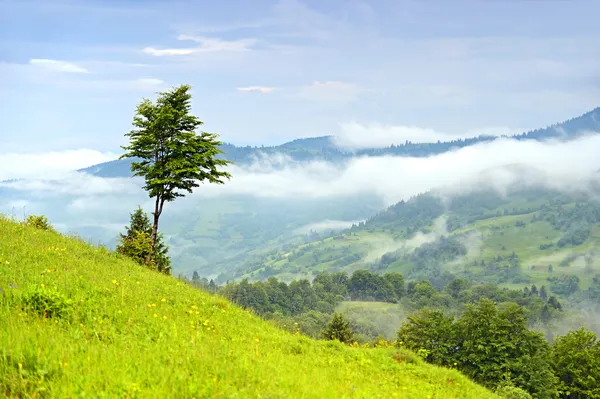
{"points": [[168, 152]]}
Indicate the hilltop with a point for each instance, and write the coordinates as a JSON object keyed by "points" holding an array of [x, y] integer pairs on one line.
{"points": [[67, 306]]}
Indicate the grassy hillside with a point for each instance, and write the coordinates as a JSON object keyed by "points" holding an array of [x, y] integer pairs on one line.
{"points": [[524, 238], [81, 321]]}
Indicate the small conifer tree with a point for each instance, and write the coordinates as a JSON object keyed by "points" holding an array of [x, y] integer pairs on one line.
{"points": [[339, 329], [136, 243]]}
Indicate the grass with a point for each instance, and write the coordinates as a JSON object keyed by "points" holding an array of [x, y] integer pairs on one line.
{"points": [[80, 321]]}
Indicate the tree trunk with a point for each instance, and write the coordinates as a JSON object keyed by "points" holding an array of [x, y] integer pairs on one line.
{"points": [[158, 207]]}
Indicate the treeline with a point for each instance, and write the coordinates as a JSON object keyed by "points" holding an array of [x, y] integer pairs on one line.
{"points": [[310, 304]]}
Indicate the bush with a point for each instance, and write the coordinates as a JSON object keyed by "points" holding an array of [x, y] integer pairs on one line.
{"points": [[48, 302], [39, 222], [512, 392]]}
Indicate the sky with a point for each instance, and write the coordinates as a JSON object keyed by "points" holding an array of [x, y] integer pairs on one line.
{"points": [[266, 72]]}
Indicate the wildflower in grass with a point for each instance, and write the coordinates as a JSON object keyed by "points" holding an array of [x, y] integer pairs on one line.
{"points": [[165, 317], [12, 285], [164, 300], [155, 315]]}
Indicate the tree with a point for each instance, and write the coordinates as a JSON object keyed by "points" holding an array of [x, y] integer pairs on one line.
{"points": [[543, 293], [494, 340], [195, 276], [576, 362], [169, 154], [432, 331], [136, 243], [339, 329]]}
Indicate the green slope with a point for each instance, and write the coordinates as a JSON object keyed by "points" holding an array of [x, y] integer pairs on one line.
{"points": [[482, 230], [118, 330]]}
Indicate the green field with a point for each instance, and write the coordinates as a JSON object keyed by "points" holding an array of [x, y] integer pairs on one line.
{"points": [[80, 321]]}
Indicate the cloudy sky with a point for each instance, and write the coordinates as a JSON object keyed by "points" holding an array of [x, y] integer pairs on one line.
{"points": [[266, 71]]}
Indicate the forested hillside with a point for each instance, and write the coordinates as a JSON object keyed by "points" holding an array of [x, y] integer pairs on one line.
{"points": [[530, 236]]}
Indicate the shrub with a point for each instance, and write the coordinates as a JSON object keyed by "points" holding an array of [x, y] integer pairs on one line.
{"points": [[48, 302], [512, 392], [39, 222]]}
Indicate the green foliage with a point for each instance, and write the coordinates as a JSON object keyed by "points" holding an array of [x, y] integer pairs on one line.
{"points": [[136, 244], [48, 302], [509, 391], [339, 329], [39, 222], [576, 362], [485, 343], [290, 303], [564, 285], [169, 154], [432, 331]]}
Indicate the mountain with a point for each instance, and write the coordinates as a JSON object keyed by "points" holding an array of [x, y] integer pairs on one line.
{"points": [[66, 306], [324, 148], [529, 235], [217, 235]]}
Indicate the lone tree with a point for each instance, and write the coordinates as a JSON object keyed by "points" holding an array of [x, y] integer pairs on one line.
{"points": [[136, 243], [339, 329], [169, 154]]}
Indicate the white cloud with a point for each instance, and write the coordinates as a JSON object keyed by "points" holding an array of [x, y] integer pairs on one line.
{"points": [[79, 184], [79, 199], [327, 225], [354, 135], [169, 51], [503, 161], [205, 44], [331, 91], [144, 83], [261, 89], [48, 164], [58, 66]]}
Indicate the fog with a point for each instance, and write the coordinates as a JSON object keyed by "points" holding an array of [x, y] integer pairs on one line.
{"points": [[387, 244], [354, 135], [98, 206], [554, 164]]}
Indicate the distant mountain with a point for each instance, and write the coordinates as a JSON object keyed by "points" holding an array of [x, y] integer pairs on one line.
{"points": [[323, 148]]}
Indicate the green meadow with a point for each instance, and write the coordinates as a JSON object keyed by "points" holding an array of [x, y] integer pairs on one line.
{"points": [[82, 321]]}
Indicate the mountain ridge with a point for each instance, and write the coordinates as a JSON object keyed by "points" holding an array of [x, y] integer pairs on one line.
{"points": [[323, 147]]}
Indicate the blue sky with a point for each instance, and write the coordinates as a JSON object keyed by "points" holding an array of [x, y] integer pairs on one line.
{"points": [[265, 72]]}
